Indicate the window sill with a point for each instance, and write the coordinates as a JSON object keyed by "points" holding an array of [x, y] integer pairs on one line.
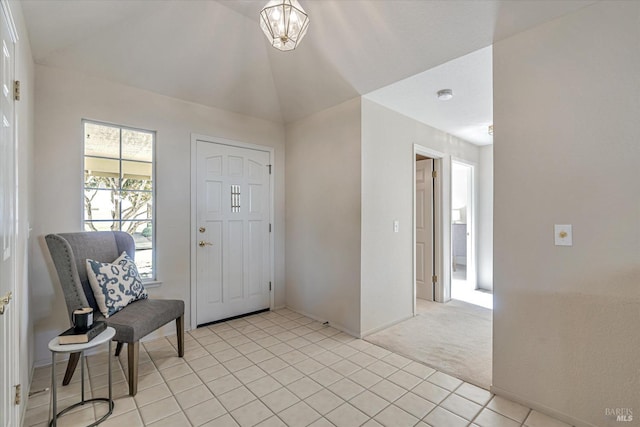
{"points": [[152, 284]]}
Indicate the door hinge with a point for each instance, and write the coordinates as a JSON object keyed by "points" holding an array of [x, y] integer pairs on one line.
{"points": [[269, 227], [434, 174], [434, 279], [269, 286], [16, 90], [18, 394], [269, 166]]}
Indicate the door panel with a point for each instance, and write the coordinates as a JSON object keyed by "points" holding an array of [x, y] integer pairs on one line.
{"points": [[213, 254], [235, 166], [420, 278], [420, 225], [214, 197], [255, 199], [256, 274], [424, 229], [233, 262], [9, 345]]}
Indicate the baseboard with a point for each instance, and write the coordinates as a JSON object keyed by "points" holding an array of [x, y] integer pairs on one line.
{"points": [[385, 326], [333, 325], [541, 408]]}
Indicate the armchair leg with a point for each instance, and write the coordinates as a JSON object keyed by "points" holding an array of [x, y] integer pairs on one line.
{"points": [[119, 348], [133, 350], [180, 335], [71, 367]]}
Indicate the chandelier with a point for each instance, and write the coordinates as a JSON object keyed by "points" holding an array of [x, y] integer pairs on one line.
{"points": [[284, 22]]}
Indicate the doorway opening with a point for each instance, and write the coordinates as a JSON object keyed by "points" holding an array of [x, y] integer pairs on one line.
{"points": [[432, 272], [449, 335], [425, 228], [463, 237]]}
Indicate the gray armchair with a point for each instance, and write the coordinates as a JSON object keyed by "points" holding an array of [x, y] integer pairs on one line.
{"points": [[69, 252]]}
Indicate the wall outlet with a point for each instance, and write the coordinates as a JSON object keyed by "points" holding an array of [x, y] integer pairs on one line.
{"points": [[563, 234]]}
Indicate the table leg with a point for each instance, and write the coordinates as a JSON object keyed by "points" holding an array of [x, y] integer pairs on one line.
{"points": [[82, 376], [84, 400], [110, 396], [53, 388]]}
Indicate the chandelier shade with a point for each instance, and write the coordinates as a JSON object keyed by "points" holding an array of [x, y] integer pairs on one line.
{"points": [[284, 22]]}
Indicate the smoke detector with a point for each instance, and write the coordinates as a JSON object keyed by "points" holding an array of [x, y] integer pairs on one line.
{"points": [[445, 94]]}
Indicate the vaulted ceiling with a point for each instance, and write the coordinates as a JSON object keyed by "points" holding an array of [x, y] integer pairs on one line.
{"points": [[214, 53]]}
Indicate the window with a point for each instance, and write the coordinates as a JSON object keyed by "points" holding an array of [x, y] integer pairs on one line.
{"points": [[118, 186]]}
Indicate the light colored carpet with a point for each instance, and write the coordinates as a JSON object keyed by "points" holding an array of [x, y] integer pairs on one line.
{"points": [[454, 338]]}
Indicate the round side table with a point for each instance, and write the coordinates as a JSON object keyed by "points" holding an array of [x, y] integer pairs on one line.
{"points": [[56, 348]]}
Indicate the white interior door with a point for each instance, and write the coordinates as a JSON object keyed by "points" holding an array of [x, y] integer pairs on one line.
{"points": [[233, 250], [8, 337], [424, 229]]}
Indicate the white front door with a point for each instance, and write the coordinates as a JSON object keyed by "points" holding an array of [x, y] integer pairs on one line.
{"points": [[8, 320], [232, 221], [424, 229]]}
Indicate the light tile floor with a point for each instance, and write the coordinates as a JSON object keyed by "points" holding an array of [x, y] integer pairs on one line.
{"points": [[277, 369]]}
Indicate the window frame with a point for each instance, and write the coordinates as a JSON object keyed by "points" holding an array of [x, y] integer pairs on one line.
{"points": [[154, 278]]}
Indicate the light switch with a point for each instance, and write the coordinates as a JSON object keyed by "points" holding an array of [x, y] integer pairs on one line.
{"points": [[396, 226], [563, 235]]}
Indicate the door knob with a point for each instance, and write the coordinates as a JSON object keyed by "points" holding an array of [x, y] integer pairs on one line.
{"points": [[4, 301], [202, 243]]}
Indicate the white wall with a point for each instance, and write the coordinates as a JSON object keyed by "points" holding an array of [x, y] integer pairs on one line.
{"points": [[323, 216], [62, 100], [485, 218], [25, 214], [387, 195], [566, 109]]}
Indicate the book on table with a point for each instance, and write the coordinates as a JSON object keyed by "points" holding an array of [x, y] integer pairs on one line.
{"points": [[73, 336]]}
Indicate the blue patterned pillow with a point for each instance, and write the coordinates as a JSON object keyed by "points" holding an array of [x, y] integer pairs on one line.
{"points": [[115, 285]]}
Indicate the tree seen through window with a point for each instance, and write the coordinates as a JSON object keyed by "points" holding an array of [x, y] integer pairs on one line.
{"points": [[118, 186]]}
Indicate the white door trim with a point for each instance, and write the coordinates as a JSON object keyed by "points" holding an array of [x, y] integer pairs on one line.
{"points": [[442, 214], [194, 238], [6, 10], [12, 350]]}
